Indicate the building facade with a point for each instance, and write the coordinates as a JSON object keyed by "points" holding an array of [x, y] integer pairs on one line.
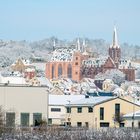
{"points": [[66, 63], [92, 67], [97, 112], [22, 105]]}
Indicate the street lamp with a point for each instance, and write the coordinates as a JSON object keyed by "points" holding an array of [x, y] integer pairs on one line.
{"points": [[69, 111], [133, 117]]}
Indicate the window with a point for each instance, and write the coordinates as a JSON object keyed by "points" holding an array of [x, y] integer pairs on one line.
{"points": [[76, 58], [49, 121], [37, 117], [10, 119], [76, 73], [138, 124], [55, 109], [68, 123], [76, 63], [101, 113], [69, 73], [86, 124], [117, 109], [59, 70], [90, 109], [132, 124], [121, 124], [24, 119], [79, 109], [68, 109], [53, 71], [104, 124], [79, 124]]}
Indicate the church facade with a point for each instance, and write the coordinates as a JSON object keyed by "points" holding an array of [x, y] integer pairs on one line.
{"points": [[67, 63], [75, 63], [92, 67]]}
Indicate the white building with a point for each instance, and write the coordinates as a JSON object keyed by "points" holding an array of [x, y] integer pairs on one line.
{"points": [[133, 119], [23, 105], [57, 110]]}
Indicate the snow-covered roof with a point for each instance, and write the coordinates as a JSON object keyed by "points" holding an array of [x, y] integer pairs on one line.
{"points": [[63, 99], [26, 62], [109, 74], [130, 115], [39, 66], [91, 101], [44, 81], [124, 64], [133, 89], [29, 70], [64, 54], [12, 80], [118, 91], [97, 62], [108, 81], [136, 65], [11, 74]]}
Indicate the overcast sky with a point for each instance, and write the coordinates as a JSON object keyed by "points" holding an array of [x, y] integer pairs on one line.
{"points": [[67, 19]]}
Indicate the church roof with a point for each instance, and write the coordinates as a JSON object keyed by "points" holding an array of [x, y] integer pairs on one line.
{"points": [[97, 62], [63, 54]]}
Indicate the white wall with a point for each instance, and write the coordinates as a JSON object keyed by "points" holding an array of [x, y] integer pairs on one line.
{"points": [[24, 100], [57, 117]]}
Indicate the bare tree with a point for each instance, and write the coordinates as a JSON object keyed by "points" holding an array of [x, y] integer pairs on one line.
{"points": [[118, 118], [1, 121]]}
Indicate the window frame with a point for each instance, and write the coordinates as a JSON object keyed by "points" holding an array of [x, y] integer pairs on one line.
{"points": [[101, 113], [27, 119], [79, 109], [90, 109], [55, 109], [68, 109], [10, 122]]}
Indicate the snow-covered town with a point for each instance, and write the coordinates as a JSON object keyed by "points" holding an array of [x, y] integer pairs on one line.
{"points": [[74, 85], [72, 76]]}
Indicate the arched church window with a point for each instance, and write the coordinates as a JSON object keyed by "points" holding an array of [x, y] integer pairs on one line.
{"points": [[69, 71], [53, 69], [59, 70]]}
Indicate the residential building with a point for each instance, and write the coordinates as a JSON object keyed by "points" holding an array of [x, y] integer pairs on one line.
{"points": [[132, 119], [96, 112], [20, 65]]}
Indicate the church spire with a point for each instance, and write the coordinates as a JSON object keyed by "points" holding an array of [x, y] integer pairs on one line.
{"points": [[84, 45], [115, 38], [78, 45], [54, 44]]}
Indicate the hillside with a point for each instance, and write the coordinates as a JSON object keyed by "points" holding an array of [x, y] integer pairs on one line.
{"points": [[11, 50]]}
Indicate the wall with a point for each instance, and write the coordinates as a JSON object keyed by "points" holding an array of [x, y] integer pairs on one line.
{"points": [[24, 99], [57, 117], [109, 110], [94, 118]]}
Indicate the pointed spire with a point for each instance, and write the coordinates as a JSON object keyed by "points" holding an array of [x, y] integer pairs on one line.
{"points": [[78, 45], [84, 45], [54, 44], [115, 39]]}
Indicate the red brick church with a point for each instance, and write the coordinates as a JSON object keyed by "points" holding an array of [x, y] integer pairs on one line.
{"points": [[75, 63], [93, 66], [67, 62]]}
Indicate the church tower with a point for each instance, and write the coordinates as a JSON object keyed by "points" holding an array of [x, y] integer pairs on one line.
{"points": [[114, 49]]}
